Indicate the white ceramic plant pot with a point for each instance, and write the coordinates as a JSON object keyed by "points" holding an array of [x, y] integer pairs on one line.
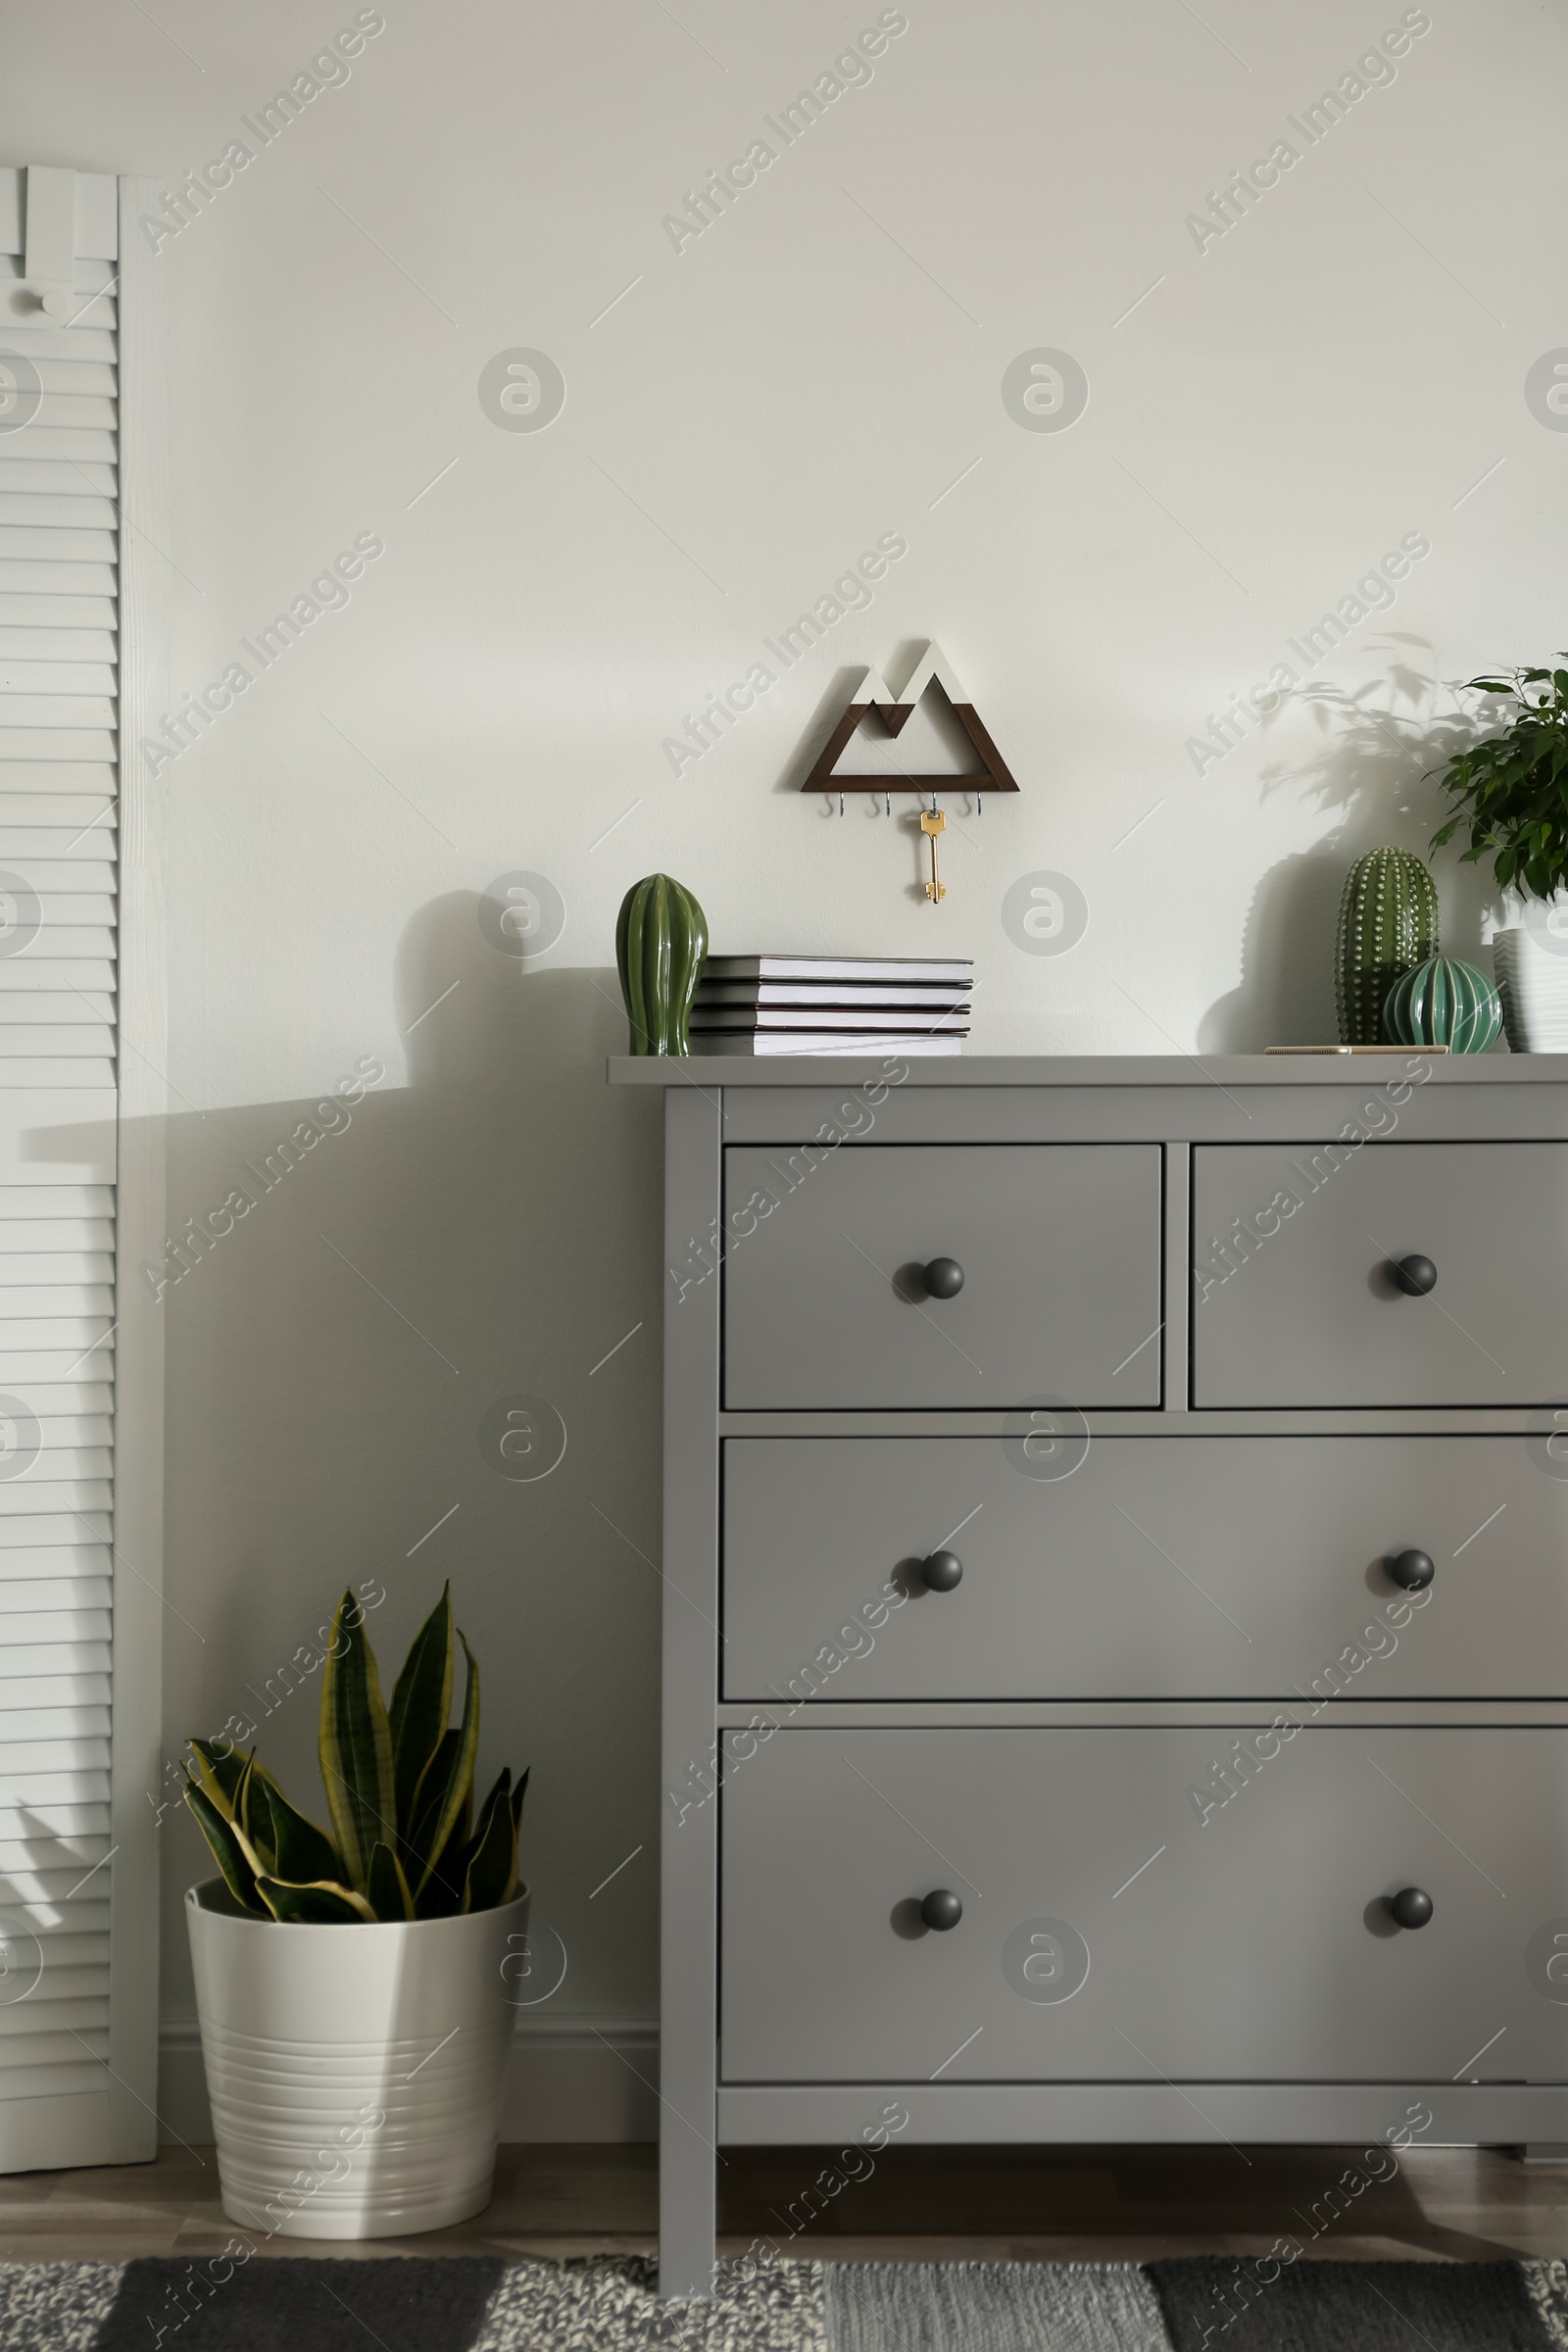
{"points": [[354, 2073]]}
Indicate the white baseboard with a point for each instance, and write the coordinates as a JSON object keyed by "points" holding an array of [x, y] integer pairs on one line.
{"points": [[569, 2078]]}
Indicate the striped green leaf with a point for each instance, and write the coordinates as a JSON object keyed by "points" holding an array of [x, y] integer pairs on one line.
{"points": [[422, 1701], [491, 1875], [388, 1889], [455, 1786], [323, 1905], [355, 1745], [227, 1852], [301, 1851]]}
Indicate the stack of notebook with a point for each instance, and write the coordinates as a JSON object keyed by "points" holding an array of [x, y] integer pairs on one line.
{"points": [[832, 1004]]}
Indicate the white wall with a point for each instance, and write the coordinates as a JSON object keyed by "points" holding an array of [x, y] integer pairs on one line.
{"points": [[814, 371]]}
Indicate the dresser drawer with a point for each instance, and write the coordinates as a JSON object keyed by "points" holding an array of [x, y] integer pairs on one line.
{"points": [[1060, 1247], [1108, 1936], [1160, 1567], [1293, 1304]]}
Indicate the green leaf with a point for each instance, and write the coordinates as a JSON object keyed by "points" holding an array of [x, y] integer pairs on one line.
{"points": [[422, 1701], [388, 1889], [428, 1804], [301, 1851], [491, 1875], [322, 1904], [220, 1774], [517, 1796], [253, 1816], [227, 1852], [356, 1745], [458, 1787]]}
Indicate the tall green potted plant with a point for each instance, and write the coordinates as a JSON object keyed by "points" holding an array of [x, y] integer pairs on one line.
{"points": [[352, 1981], [1510, 793]]}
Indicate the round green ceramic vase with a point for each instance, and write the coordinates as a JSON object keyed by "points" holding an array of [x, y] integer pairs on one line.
{"points": [[661, 948], [1442, 1003]]}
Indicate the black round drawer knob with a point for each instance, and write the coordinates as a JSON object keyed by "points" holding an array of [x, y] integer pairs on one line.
{"points": [[942, 1909], [1413, 1570], [944, 1278], [1415, 1276], [1412, 1907], [941, 1572]]}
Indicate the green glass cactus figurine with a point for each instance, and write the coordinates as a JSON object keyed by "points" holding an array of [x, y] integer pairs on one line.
{"points": [[1387, 925], [660, 946]]}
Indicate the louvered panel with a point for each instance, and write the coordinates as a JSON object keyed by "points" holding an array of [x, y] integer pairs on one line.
{"points": [[19, 1035], [60, 611], [65, 1594], [56, 742], [39, 805], [20, 1267], [45, 1820], [64, 1437], [74, 505], [59, 750], [65, 710], [19, 1235], [77, 848], [54, 1199], [47, 341], [55, 677], [21, 1299], [69, 1720], [30, 1365], [42, 475], [36, 1334], [81, 1494], [66, 1604], [71, 2001], [55, 1658], [57, 2075], [22, 1762], [77, 447], [57, 1882], [64, 1785], [18, 976], [40, 642], [79, 889], [60, 942], [69, 1557], [58, 1466], [64, 1007]]}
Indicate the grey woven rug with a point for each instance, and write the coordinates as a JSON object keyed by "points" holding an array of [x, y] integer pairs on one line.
{"points": [[467, 2304]]}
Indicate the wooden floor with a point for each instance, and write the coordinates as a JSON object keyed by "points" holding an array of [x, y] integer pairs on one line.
{"points": [[920, 2204]]}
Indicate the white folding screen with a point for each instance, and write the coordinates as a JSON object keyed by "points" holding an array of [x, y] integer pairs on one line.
{"points": [[79, 1638]]}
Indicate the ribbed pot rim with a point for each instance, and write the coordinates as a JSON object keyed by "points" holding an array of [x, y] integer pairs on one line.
{"points": [[227, 1911]]}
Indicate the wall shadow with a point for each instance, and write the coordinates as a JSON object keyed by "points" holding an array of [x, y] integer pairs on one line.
{"points": [[482, 1225]]}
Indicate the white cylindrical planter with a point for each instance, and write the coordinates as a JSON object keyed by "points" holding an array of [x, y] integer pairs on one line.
{"points": [[354, 2073]]}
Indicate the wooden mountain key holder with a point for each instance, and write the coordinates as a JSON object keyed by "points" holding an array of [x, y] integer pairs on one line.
{"points": [[932, 667]]}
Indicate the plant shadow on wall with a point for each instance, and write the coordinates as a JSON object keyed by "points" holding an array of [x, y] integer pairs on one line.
{"points": [[1376, 744], [346, 1365]]}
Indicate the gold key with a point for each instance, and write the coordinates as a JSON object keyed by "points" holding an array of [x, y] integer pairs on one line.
{"points": [[933, 822]]}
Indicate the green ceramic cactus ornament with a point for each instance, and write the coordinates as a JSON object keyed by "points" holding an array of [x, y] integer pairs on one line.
{"points": [[660, 946], [1387, 925]]}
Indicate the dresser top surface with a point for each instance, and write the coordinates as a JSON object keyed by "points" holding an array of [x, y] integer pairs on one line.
{"points": [[708, 1071]]}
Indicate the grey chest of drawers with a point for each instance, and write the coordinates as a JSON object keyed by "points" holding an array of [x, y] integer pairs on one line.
{"points": [[1115, 1650]]}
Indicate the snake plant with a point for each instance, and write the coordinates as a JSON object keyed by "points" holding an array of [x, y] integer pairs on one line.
{"points": [[399, 1781]]}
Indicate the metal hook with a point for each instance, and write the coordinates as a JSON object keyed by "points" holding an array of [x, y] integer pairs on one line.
{"points": [[979, 803], [841, 803], [889, 799]]}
